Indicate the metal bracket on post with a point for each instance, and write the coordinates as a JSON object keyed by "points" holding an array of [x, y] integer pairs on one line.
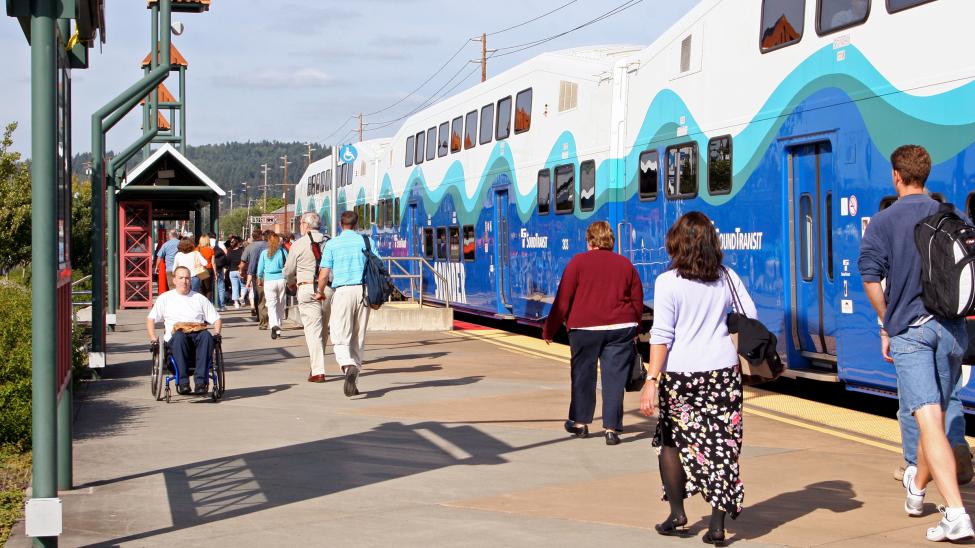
{"points": [[42, 517]]}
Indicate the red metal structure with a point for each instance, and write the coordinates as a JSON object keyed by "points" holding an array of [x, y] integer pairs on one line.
{"points": [[135, 234]]}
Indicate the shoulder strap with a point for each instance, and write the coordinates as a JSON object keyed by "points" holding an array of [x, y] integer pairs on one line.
{"points": [[735, 300], [366, 239]]}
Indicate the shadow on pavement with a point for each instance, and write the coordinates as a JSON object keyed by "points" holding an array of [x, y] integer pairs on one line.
{"points": [[371, 394], [251, 392], [238, 485]]}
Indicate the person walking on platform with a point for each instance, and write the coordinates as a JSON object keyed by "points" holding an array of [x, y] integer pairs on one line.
{"points": [[270, 275], [234, 253], [600, 300], [248, 266], [926, 350], [189, 257], [301, 271], [694, 379], [167, 252], [219, 271], [205, 249], [344, 262]]}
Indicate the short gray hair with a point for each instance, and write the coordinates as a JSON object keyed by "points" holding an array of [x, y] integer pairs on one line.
{"points": [[174, 233], [311, 219]]}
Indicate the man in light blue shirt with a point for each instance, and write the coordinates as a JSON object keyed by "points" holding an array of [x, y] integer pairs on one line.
{"points": [[167, 252], [344, 260]]}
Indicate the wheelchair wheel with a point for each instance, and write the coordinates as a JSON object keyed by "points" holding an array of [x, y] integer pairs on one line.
{"points": [[158, 376], [219, 386]]}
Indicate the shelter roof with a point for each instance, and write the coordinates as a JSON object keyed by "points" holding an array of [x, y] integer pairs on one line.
{"points": [[178, 171], [165, 96], [195, 6], [176, 58]]}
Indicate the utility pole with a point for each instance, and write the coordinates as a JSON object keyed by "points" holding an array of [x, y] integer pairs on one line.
{"points": [[309, 153], [284, 193], [483, 56], [265, 166], [231, 199], [360, 127]]}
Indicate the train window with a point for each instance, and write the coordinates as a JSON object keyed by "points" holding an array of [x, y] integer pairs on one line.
{"points": [[834, 15], [390, 215], [410, 150], [568, 95], [431, 143], [806, 238], [503, 129], [457, 126], [396, 214], [829, 235], [649, 174], [420, 148], [442, 146], [523, 111], [938, 197], [380, 214], [348, 174], [682, 171], [428, 243], [719, 165], [782, 23], [442, 243], [328, 179], [470, 243], [487, 124], [887, 201], [470, 130], [372, 213], [565, 186], [894, 6], [587, 185], [454, 244], [544, 191]]}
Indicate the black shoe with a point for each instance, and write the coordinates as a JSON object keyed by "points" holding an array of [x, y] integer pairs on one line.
{"points": [[672, 527], [183, 390], [200, 390], [714, 538], [351, 373], [577, 431], [275, 332], [612, 438]]}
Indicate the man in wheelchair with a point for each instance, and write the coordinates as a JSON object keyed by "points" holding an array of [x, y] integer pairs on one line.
{"points": [[186, 315]]}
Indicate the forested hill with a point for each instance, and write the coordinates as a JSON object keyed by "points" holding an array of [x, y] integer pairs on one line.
{"points": [[231, 164]]}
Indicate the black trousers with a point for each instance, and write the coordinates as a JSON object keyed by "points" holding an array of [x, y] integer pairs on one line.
{"points": [[614, 351]]}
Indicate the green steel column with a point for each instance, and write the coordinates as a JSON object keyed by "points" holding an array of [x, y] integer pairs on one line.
{"points": [[111, 216], [65, 452], [215, 228], [151, 104], [97, 238], [182, 109], [43, 248]]}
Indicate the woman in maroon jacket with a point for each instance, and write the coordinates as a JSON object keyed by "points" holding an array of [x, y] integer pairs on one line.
{"points": [[600, 300]]}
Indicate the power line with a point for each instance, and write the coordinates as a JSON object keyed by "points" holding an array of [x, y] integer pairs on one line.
{"points": [[338, 129], [422, 105], [523, 23], [425, 82]]}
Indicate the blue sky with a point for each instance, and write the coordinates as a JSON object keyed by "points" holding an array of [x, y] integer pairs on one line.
{"points": [[294, 70]]}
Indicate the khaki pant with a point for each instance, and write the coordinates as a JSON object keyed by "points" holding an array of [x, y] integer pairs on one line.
{"points": [[314, 317], [274, 301], [347, 326]]}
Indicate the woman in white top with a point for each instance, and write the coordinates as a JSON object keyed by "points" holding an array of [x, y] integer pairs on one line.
{"points": [[190, 258], [695, 363]]}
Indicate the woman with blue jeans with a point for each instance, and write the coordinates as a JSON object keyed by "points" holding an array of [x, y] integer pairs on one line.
{"points": [[234, 253]]}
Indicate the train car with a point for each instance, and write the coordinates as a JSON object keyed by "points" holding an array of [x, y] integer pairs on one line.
{"points": [[314, 193], [775, 117]]}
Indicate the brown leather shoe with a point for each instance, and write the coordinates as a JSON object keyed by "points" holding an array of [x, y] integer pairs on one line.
{"points": [[316, 378]]}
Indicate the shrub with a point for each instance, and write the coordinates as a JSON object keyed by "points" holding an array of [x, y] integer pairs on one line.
{"points": [[15, 367]]}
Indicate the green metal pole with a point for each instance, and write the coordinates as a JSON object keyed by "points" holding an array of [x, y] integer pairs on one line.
{"points": [[65, 452], [111, 218], [182, 108], [151, 105], [215, 229], [43, 247]]}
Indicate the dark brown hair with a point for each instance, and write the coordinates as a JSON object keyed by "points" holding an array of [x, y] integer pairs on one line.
{"points": [[913, 163], [694, 248], [185, 245], [349, 219], [599, 235]]}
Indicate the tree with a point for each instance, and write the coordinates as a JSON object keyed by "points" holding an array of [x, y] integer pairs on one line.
{"points": [[81, 224], [15, 201]]}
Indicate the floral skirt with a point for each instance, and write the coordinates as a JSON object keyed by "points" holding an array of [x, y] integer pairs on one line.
{"points": [[700, 415]]}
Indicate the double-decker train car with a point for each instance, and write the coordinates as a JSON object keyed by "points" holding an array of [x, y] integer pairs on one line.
{"points": [[776, 118]]}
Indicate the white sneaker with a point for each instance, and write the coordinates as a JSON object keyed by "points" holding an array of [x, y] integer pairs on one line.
{"points": [[913, 504], [237, 305], [956, 529]]}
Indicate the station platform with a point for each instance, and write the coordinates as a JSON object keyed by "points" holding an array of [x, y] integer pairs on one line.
{"points": [[455, 440]]}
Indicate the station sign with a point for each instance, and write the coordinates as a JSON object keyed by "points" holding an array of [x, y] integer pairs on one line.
{"points": [[263, 219], [348, 154]]}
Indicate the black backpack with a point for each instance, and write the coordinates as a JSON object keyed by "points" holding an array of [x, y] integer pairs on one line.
{"points": [[946, 243], [377, 285]]}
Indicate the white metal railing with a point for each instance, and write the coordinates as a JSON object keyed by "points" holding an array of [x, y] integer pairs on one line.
{"points": [[80, 292], [411, 268]]}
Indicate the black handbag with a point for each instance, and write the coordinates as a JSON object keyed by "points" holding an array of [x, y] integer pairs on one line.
{"points": [[756, 345], [638, 372]]}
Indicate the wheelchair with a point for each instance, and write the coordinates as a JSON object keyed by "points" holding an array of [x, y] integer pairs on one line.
{"points": [[164, 371]]}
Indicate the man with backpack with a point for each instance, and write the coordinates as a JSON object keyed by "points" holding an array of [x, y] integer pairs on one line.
{"points": [[925, 348], [301, 271], [344, 262]]}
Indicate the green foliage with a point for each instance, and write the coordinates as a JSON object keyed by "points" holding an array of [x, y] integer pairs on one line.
{"points": [[15, 196], [81, 225], [15, 368], [14, 477]]}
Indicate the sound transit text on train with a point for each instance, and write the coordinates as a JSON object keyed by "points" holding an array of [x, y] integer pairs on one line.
{"points": [[739, 240], [533, 241]]}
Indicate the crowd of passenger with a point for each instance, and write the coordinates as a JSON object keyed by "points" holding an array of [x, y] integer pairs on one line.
{"points": [[693, 381]]}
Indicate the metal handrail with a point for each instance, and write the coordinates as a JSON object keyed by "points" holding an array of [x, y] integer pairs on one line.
{"points": [[416, 280], [80, 292]]}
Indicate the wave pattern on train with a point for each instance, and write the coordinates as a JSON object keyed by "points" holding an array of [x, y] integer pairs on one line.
{"points": [[776, 118]]}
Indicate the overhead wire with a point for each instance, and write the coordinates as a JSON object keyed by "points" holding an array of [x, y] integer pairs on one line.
{"points": [[523, 23], [425, 82]]}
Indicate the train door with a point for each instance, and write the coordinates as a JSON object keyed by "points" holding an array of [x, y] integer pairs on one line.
{"points": [[813, 288], [502, 251]]}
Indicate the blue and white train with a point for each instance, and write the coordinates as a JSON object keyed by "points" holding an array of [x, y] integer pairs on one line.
{"points": [[776, 118]]}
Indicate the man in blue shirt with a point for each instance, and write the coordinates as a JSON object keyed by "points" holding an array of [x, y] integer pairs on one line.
{"points": [[344, 261], [926, 350], [167, 252]]}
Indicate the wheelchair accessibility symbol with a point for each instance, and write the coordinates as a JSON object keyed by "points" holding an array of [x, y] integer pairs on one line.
{"points": [[348, 154]]}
